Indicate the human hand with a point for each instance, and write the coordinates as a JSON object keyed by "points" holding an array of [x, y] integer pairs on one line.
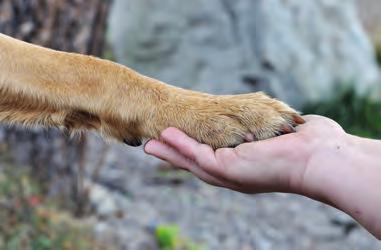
{"points": [[319, 161], [276, 165]]}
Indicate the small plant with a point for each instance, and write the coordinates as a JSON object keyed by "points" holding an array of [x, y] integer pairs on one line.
{"points": [[378, 54], [357, 114], [168, 238], [30, 221], [108, 53]]}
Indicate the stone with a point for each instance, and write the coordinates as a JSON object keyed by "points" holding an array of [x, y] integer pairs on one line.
{"points": [[370, 13], [101, 200], [297, 51]]}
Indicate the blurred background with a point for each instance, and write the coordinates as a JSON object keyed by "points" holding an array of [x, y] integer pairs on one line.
{"points": [[320, 56]]}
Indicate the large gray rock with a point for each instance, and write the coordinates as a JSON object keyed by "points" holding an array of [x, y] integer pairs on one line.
{"points": [[370, 14], [295, 50]]}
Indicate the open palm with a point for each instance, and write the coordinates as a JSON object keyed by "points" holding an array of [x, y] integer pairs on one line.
{"points": [[275, 165]]}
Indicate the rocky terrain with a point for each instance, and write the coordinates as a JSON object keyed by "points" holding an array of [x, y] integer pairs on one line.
{"points": [[295, 50], [298, 51], [135, 198], [370, 14]]}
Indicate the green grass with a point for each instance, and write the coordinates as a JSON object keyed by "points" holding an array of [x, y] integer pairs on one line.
{"points": [[357, 114], [378, 54], [168, 237]]}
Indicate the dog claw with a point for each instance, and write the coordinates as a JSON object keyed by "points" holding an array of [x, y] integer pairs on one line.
{"points": [[299, 120], [279, 133], [133, 143], [287, 129]]}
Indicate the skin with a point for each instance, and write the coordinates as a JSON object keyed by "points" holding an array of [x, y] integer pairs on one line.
{"points": [[319, 161]]}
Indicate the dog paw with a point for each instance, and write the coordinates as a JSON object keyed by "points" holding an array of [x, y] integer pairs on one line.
{"points": [[227, 121], [219, 121]]}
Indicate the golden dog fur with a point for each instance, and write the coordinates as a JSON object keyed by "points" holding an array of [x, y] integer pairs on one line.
{"points": [[43, 87]]}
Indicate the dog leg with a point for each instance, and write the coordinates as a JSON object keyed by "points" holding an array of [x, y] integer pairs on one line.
{"points": [[39, 86]]}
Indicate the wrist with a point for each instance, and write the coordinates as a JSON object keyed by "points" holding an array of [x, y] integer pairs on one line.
{"points": [[344, 173], [331, 163]]}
